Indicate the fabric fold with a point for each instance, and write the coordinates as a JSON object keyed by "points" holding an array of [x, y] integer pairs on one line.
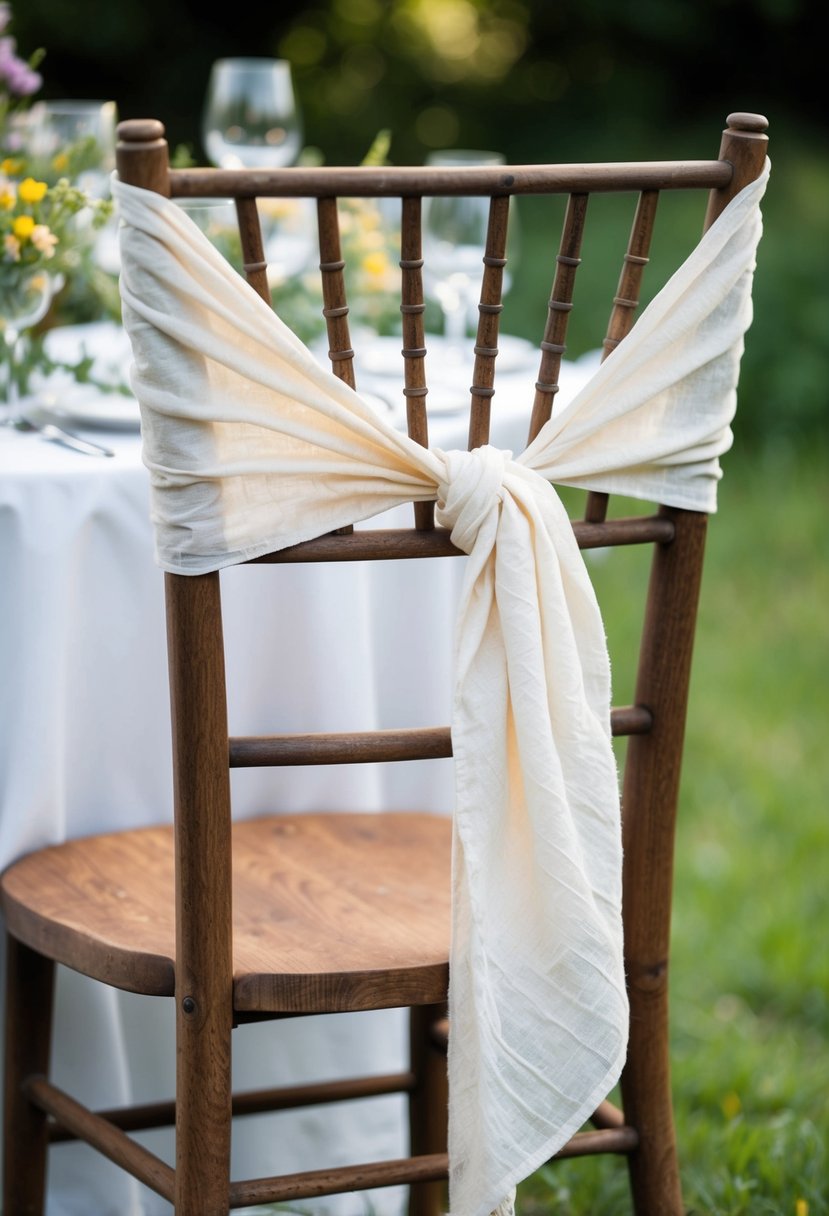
{"points": [[251, 447]]}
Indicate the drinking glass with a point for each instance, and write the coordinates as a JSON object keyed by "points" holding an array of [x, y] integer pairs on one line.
{"points": [[56, 125], [250, 119], [53, 128], [454, 240], [24, 300]]}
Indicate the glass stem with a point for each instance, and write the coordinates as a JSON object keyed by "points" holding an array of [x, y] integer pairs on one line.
{"points": [[11, 338], [454, 323]]}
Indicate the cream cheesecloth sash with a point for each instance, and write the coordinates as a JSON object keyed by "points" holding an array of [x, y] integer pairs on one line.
{"points": [[252, 446]]}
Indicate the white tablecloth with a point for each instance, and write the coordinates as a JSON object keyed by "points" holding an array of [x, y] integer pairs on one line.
{"points": [[84, 725]]}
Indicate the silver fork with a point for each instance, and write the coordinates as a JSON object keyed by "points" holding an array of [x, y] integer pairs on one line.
{"points": [[58, 435]]}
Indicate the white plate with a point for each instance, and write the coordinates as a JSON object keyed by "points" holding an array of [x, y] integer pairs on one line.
{"points": [[106, 341], [100, 411], [382, 357], [65, 400], [378, 365]]}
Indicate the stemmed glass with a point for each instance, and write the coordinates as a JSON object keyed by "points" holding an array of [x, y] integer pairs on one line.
{"points": [[55, 125], [454, 240], [251, 121], [24, 301]]}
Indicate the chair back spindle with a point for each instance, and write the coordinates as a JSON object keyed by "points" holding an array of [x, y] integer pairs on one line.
{"points": [[489, 313], [625, 303], [559, 306], [335, 304], [254, 263], [412, 309]]}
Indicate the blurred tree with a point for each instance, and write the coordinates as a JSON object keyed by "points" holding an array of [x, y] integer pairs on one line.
{"points": [[534, 79]]}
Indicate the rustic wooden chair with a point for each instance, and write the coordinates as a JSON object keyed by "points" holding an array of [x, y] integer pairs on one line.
{"points": [[118, 908]]}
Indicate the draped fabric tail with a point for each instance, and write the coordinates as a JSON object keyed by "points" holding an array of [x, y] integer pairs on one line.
{"points": [[537, 994]]}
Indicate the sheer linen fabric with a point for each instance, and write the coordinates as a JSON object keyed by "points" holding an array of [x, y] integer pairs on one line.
{"points": [[252, 446]]}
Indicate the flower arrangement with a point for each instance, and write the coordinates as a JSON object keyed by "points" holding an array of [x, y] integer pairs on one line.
{"points": [[47, 223], [37, 221], [371, 248], [369, 240], [38, 202]]}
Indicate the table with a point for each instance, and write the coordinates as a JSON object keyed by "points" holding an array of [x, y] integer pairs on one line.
{"points": [[85, 727]]}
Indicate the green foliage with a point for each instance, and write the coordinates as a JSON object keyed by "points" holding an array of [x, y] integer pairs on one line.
{"points": [[750, 972]]}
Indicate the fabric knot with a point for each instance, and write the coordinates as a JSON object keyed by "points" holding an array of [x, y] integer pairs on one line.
{"points": [[472, 488]]}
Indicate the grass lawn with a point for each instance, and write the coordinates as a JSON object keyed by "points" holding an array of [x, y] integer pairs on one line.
{"points": [[750, 958]]}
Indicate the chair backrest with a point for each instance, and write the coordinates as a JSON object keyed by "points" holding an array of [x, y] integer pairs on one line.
{"points": [[142, 160], [655, 722]]}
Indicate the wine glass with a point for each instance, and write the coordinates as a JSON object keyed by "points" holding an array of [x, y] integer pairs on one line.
{"points": [[454, 240], [251, 119], [24, 300], [88, 128], [55, 126]]}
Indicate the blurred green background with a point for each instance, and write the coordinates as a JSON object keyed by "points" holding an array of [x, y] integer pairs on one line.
{"points": [[569, 80], [589, 79]]}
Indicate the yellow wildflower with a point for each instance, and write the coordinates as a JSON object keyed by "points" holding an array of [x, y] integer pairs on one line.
{"points": [[376, 263], [23, 227], [7, 198], [731, 1105], [801, 1207], [12, 247], [11, 166], [60, 163], [44, 240], [31, 191], [279, 208], [368, 218]]}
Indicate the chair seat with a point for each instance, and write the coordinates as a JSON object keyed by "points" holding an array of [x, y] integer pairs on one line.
{"points": [[332, 911]]}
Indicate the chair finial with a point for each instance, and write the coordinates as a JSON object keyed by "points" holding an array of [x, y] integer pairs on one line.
{"points": [[757, 123], [142, 156], [743, 145]]}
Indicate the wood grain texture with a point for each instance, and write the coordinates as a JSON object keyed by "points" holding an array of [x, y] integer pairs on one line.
{"points": [[202, 893], [28, 1025], [254, 1102], [331, 912], [109, 1140], [559, 306], [649, 807], [397, 181]]}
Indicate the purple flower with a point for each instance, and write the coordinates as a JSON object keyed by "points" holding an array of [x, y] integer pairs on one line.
{"points": [[5, 16], [25, 81], [20, 79]]}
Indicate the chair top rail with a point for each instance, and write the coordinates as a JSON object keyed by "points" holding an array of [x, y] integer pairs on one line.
{"points": [[398, 181]]}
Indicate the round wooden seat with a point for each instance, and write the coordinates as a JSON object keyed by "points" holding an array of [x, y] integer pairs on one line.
{"points": [[331, 912]]}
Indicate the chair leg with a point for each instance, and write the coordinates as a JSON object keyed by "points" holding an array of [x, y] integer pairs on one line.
{"points": [[428, 1106], [647, 1103], [203, 1112], [29, 1000]]}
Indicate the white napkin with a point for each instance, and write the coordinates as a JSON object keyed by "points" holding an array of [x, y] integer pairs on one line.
{"points": [[252, 447]]}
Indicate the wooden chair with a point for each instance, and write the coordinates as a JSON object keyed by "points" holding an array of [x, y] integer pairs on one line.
{"points": [[150, 911]]}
